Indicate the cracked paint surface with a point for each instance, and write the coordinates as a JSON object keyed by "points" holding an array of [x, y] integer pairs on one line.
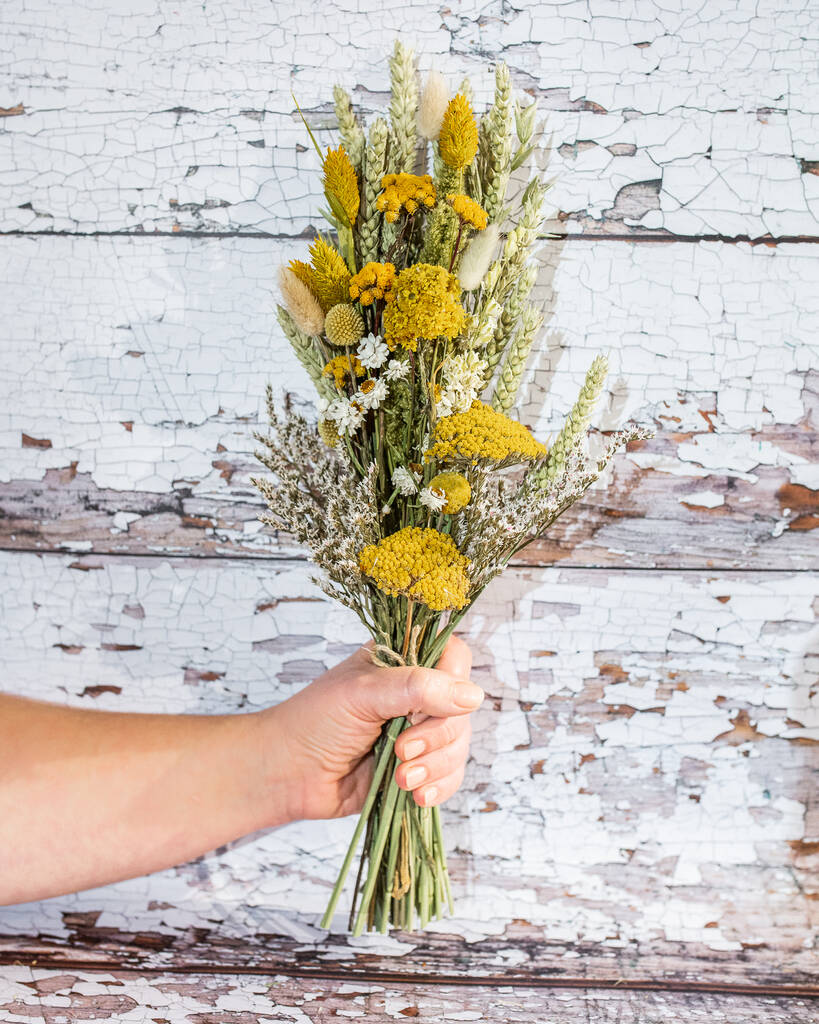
{"points": [[633, 781], [31, 995], [136, 378], [161, 117]]}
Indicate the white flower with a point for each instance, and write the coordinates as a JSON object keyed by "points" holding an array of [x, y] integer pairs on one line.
{"points": [[373, 352], [397, 369], [462, 379], [347, 416], [431, 109], [477, 257], [434, 500], [322, 405], [372, 397], [404, 481]]}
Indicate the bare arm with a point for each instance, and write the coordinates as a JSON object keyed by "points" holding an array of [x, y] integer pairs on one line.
{"points": [[91, 797]]}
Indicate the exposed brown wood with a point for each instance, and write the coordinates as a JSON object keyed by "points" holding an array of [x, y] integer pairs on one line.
{"points": [[73, 995]]}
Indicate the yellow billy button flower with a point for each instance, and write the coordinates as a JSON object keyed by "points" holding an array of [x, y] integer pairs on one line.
{"points": [[343, 325], [481, 433], [421, 564], [339, 369], [404, 192], [468, 210], [458, 141], [427, 304], [341, 183], [373, 281], [455, 488]]}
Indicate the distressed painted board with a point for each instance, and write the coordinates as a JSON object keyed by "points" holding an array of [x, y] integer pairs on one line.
{"points": [[642, 783], [680, 118], [31, 996], [136, 369]]}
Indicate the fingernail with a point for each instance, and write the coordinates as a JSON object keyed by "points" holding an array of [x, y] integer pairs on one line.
{"points": [[429, 795], [468, 695], [415, 776], [412, 748]]}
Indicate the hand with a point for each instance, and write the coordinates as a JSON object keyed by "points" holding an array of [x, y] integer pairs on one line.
{"points": [[326, 732]]}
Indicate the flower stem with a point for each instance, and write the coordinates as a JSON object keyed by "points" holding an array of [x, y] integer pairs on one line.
{"points": [[383, 761], [377, 849]]}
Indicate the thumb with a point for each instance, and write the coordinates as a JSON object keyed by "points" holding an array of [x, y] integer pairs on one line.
{"points": [[398, 692]]}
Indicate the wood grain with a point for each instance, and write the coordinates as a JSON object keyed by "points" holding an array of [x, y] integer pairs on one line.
{"points": [[76, 995], [137, 379], [637, 795], [661, 118]]}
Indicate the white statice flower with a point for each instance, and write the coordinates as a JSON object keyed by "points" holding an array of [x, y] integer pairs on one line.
{"points": [[322, 405], [404, 481], [371, 393], [462, 378], [373, 352], [347, 417], [433, 499], [396, 369]]}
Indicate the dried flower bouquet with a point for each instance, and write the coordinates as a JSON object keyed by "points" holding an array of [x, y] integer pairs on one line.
{"points": [[416, 487]]}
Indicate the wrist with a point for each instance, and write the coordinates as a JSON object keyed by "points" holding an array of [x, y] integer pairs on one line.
{"points": [[280, 786]]}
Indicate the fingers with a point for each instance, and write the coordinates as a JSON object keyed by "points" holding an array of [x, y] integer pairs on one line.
{"points": [[436, 776], [395, 692], [431, 734], [456, 659]]}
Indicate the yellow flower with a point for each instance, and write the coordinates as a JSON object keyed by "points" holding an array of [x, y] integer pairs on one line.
{"points": [[339, 369], [455, 488], [373, 281], [331, 278], [343, 325], [407, 191], [305, 273], [427, 304], [468, 210], [328, 432], [458, 142], [482, 433], [422, 564], [340, 181]]}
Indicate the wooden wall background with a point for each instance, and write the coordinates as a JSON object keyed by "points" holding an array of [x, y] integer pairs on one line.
{"points": [[638, 836]]}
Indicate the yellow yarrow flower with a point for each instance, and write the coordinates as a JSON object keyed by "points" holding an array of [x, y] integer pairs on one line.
{"points": [[481, 433], [331, 278], [339, 369], [373, 281], [405, 191], [458, 141], [468, 210], [340, 181], [455, 488], [427, 304], [420, 563]]}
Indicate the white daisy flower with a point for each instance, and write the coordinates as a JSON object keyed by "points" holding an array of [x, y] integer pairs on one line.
{"points": [[404, 480], [348, 417], [397, 369], [371, 393], [373, 352], [434, 500]]}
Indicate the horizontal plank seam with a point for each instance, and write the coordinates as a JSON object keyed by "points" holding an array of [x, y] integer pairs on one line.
{"points": [[297, 557], [508, 980], [587, 236]]}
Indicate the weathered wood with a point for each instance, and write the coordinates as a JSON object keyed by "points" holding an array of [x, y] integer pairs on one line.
{"points": [[662, 117], [76, 995], [641, 792], [137, 380]]}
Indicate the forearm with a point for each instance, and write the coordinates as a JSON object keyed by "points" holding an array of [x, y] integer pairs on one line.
{"points": [[90, 797]]}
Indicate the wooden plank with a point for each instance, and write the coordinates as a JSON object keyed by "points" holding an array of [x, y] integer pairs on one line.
{"points": [[662, 118], [67, 996], [136, 379], [640, 800]]}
